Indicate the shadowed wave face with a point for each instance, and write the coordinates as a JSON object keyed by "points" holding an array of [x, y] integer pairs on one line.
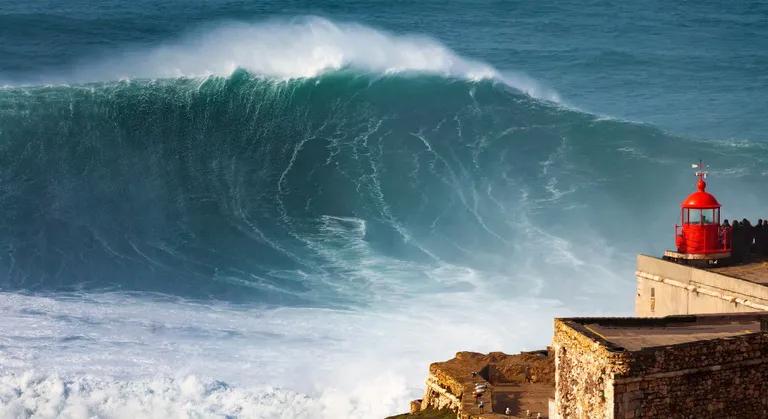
{"points": [[335, 189], [311, 162], [241, 186]]}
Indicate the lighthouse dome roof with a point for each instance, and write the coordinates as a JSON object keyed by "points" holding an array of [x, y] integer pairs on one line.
{"points": [[700, 199]]}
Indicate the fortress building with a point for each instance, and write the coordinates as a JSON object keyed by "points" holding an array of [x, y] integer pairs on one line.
{"points": [[698, 348]]}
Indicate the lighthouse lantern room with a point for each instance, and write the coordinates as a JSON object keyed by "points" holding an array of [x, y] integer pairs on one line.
{"points": [[700, 236]]}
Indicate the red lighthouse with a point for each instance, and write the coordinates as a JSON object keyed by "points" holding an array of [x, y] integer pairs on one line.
{"points": [[699, 236]]}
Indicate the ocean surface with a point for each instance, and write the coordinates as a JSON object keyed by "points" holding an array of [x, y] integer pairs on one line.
{"points": [[289, 209]]}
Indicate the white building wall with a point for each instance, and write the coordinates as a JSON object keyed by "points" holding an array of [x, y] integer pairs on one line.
{"points": [[666, 288]]}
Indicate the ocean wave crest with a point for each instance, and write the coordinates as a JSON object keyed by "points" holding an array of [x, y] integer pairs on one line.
{"points": [[294, 48]]}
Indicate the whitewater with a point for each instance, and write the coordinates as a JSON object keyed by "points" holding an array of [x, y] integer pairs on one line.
{"points": [[293, 218]]}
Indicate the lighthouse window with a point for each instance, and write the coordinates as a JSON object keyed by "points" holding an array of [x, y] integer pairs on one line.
{"points": [[707, 216], [694, 216], [698, 216]]}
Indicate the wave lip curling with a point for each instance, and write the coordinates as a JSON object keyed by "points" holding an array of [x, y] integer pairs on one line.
{"points": [[300, 48]]}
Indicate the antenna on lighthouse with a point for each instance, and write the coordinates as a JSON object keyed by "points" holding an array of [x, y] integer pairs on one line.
{"points": [[702, 169]]}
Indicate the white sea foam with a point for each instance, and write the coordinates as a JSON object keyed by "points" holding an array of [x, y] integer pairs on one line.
{"points": [[32, 394], [297, 48], [122, 355]]}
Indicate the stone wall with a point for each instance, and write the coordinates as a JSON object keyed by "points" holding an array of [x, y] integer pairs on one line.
{"points": [[721, 378], [584, 371], [717, 378]]}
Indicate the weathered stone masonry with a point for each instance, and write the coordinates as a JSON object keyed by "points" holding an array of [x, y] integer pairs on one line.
{"points": [[718, 378], [584, 371], [713, 378]]}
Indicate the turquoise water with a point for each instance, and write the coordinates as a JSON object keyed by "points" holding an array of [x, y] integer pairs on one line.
{"points": [[696, 68], [223, 209]]}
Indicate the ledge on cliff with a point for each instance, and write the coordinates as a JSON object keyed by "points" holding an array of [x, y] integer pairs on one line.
{"points": [[474, 385], [427, 414]]}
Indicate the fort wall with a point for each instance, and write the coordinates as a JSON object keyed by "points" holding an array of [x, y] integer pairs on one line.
{"points": [[666, 288], [584, 374], [711, 378], [707, 379]]}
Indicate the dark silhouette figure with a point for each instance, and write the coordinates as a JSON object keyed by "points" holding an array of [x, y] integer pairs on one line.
{"points": [[739, 242], [749, 235], [765, 238], [762, 237]]}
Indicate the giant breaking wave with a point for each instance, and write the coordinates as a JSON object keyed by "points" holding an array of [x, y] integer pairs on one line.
{"points": [[299, 173]]}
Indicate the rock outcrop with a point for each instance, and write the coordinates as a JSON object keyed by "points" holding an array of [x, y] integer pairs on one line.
{"points": [[475, 385]]}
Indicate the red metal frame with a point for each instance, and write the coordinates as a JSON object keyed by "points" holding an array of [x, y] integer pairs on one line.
{"points": [[705, 245], [700, 237]]}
